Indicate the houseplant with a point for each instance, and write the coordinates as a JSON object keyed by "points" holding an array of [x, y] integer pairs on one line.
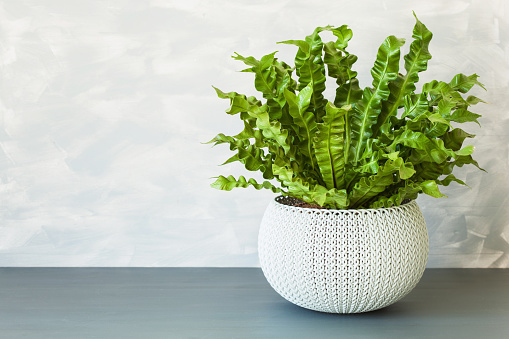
{"points": [[349, 170]]}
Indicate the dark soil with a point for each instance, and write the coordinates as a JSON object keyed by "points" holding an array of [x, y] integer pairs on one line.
{"points": [[307, 205], [290, 201]]}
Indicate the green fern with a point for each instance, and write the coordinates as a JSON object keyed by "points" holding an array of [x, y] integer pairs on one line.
{"points": [[368, 148]]}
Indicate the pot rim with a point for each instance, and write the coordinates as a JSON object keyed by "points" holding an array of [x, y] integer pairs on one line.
{"points": [[408, 204]]}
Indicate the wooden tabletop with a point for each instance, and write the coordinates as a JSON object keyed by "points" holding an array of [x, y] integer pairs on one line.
{"points": [[236, 303]]}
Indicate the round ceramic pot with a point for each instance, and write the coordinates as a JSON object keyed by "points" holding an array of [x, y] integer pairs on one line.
{"points": [[342, 261]]}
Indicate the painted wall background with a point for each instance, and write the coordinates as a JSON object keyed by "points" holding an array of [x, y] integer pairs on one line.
{"points": [[103, 105]]}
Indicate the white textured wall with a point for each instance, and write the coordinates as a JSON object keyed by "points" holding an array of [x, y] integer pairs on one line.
{"points": [[103, 105]]}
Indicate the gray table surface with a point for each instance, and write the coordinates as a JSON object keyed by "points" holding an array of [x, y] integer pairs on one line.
{"points": [[236, 303]]}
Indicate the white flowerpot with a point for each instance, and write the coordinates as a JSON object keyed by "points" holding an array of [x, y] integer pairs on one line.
{"points": [[342, 261]]}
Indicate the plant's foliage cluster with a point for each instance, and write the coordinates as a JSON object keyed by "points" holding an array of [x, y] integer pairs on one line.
{"points": [[368, 148]]}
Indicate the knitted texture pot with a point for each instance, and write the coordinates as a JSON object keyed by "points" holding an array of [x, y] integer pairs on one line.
{"points": [[342, 261]]}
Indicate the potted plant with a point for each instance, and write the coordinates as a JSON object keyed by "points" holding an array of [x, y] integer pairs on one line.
{"points": [[346, 235]]}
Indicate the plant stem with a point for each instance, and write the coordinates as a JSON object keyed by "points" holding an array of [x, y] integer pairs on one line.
{"points": [[352, 181], [347, 137]]}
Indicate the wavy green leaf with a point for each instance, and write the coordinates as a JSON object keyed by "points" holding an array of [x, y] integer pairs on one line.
{"points": [[268, 72], [283, 80], [348, 90], [239, 103], [430, 187], [415, 105], [265, 74], [270, 129], [328, 145], [460, 161], [333, 59], [337, 59], [305, 120], [463, 83], [366, 112], [339, 63], [473, 100], [331, 198], [348, 93], [429, 171], [369, 187], [449, 93], [405, 169], [443, 96], [431, 124], [310, 193], [310, 68], [253, 159], [463, 115], [343, 35], [225, 139], [415, 61], [467, 150], [293, 184], [436, 125], [454, 138], [252, 111], [409, 190], [433, 148], [370, 160], [450, 178], [251, 133], [338, 198], [452, 106], [229, 183]]}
